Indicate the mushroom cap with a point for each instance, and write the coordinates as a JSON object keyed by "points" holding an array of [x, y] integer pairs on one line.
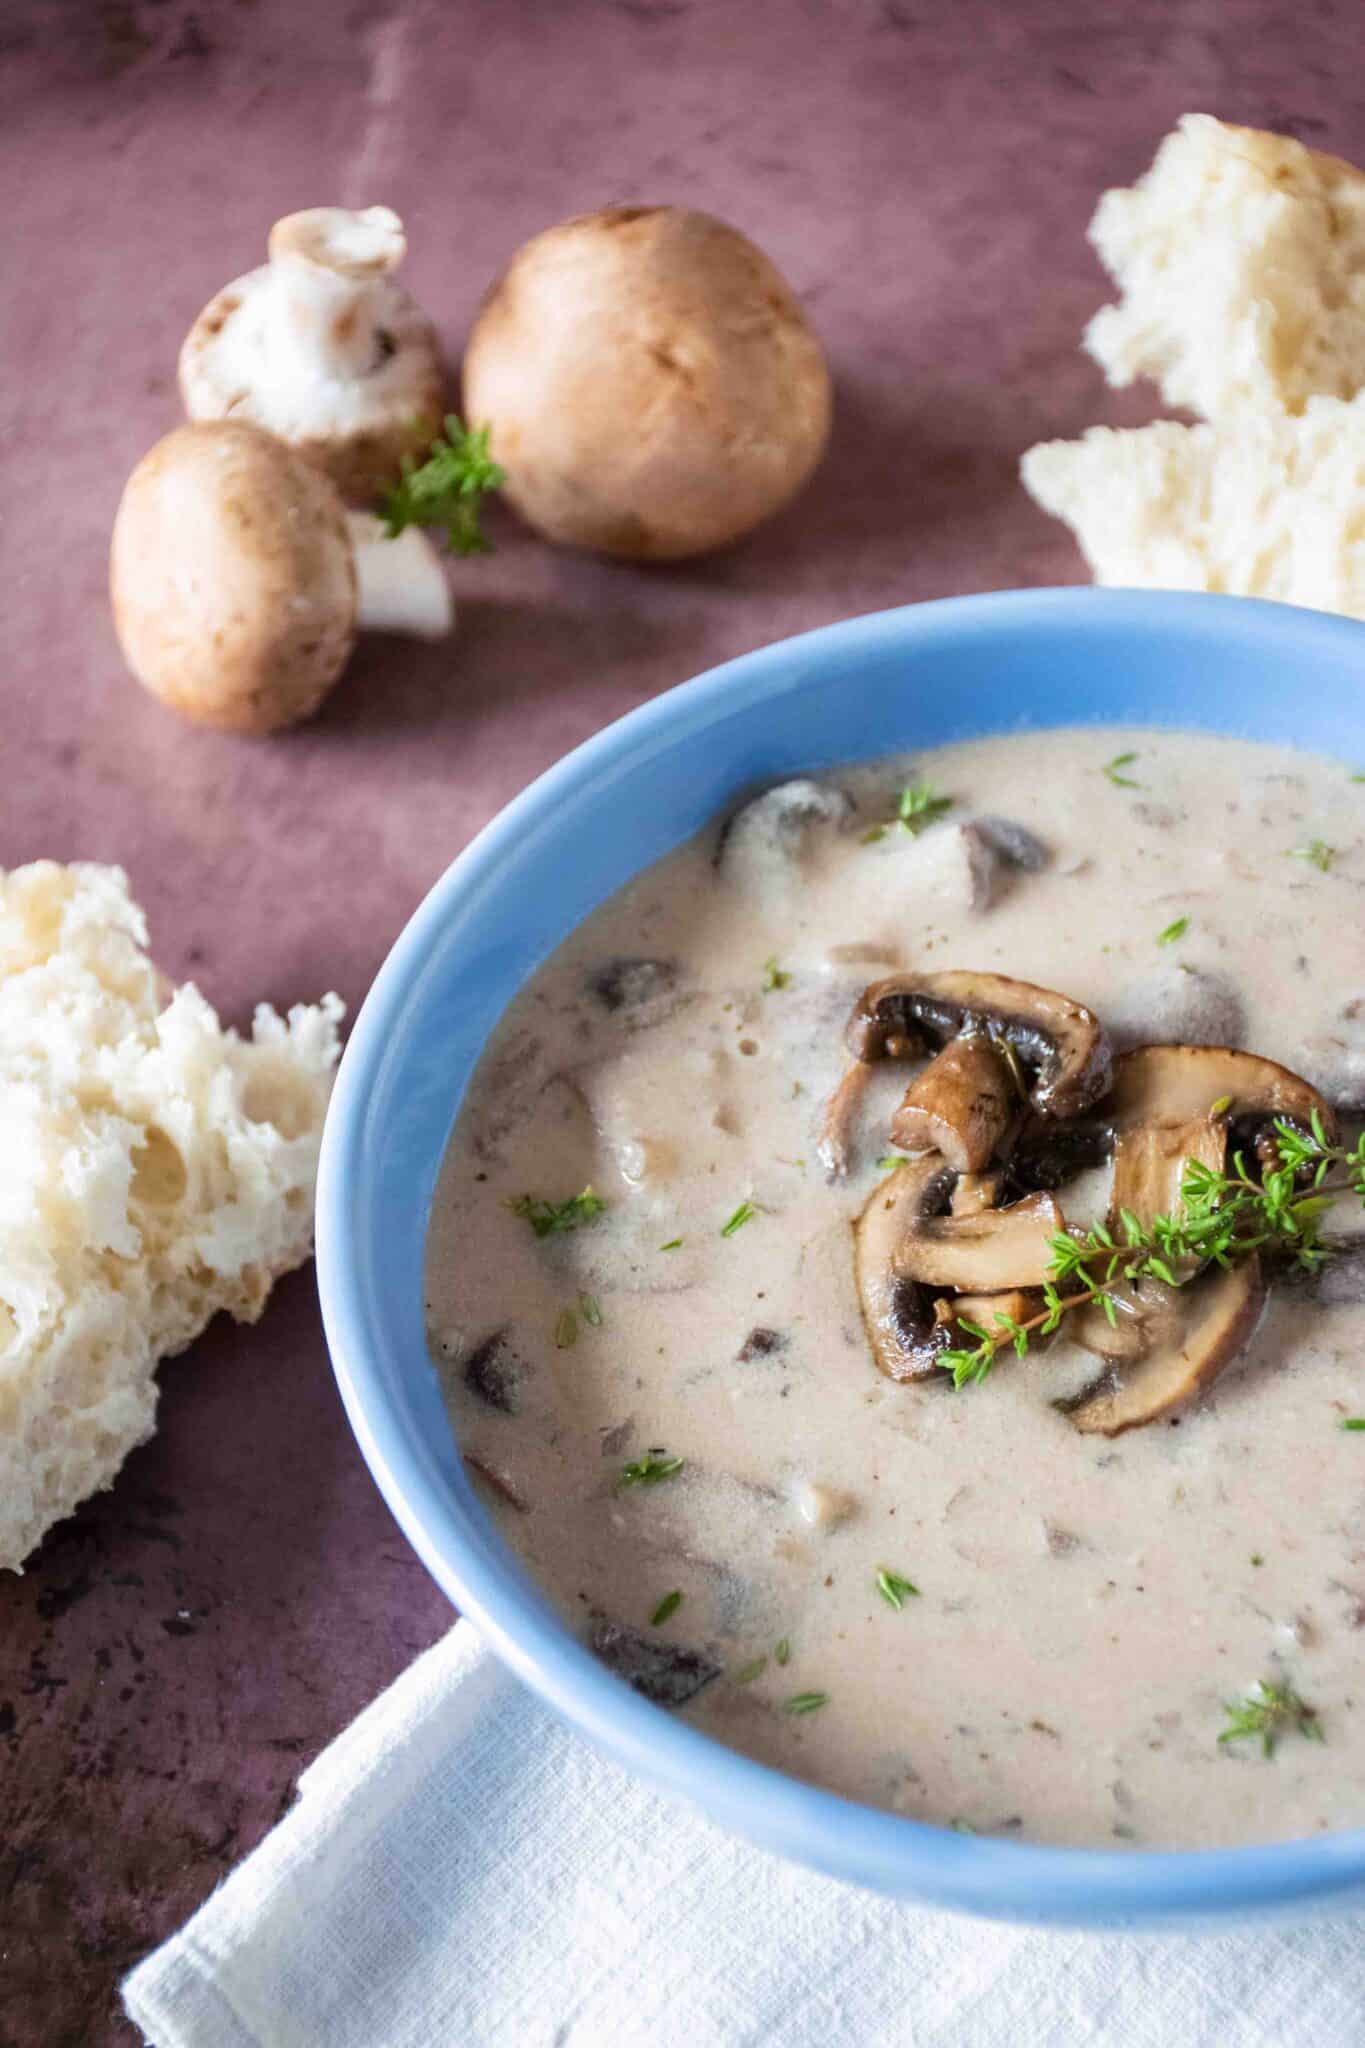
{"points": [[1177, 1083], [651, 384], [1060, 1043], [1206, 1324], [232, 578], [236, 362]]}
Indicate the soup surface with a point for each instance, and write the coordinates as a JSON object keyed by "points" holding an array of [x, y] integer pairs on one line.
{"points": [[1083, 1608]]}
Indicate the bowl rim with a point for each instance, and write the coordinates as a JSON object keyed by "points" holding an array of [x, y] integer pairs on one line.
{"points": [[984, 1875]]}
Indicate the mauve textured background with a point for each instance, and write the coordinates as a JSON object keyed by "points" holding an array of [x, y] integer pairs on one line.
{"points": [[923, 173]]}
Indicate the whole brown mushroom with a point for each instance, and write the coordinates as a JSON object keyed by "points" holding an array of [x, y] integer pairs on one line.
{"points": [[651, 384], [239, 580]]}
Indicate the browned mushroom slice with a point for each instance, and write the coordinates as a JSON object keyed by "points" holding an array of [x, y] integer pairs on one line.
{"points": [[961, 1105], [1202, 1328], [1150, 1161], [898, 1313], [984, 1253], [1178, 1083], [1058, 1044], [1129, 1337], [1018, 1303], [907, 1255]]}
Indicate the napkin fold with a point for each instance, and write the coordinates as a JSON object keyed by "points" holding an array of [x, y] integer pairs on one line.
{"points": [[461, 1870]]}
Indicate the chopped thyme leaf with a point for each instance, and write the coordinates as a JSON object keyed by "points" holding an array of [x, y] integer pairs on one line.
{"points": [[1268, 1711], [919, 805], [1219, 1108], [1111, 769], [672, 1245], [566, 1330], [747, 1673], [894, 1589], [590, 1308], [1317, 852], [805, 1703], [547, 1218], [1256, 1558], [873, 834], [782, 1654], [649, 1470], [669, 1605], [742, 1215], [1176, 929], [889, 1161], [1354, 1422], [774, 977]]}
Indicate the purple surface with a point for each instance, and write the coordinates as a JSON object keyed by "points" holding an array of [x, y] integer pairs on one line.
{"points": [[923, 175]]}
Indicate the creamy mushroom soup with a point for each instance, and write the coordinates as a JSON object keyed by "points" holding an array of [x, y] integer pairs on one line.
{"points": [[752, 1163]]}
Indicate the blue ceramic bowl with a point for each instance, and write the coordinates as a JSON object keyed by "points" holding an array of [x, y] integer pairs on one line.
{"points": [[900, 679]]}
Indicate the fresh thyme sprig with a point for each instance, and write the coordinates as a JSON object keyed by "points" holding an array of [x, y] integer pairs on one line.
{"points": [[1223, 1217], [445, 489], [1268, 1711]]}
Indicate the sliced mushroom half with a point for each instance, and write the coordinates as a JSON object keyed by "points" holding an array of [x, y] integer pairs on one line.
{"points": [[908, 1254], [1058, 1045], [1175, 1084], [1192, 1335], [898, 1312]]}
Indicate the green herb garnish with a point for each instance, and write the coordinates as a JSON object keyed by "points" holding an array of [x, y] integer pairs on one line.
{"points": [[566, 1330], [742, 1215], [894, 1589], [650, 1470], [782, 1654], [1317, 852], [1269, 1711], [1354, 1422], [1256, 1558], [672, 1245], [873, 834], [920, 804], [546, 1218], [774, 977], [1223, 1217], [1175, 930], [805, 1703], [889, 1161], [590, 1308], [747, 1673], [668, 1606], [1112, 768], [445, 489]]}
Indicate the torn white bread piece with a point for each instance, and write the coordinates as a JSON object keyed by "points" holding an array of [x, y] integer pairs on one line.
{"points": [[1240, 259], [1271, 506], [154, 1168]]}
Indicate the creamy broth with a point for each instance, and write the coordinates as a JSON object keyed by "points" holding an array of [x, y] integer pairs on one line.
{"points": [[1085, 1606]]}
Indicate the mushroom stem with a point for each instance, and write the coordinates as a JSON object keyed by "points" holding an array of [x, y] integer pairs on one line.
{"points": [[401, 585], [841, 1111], [327, 265]]}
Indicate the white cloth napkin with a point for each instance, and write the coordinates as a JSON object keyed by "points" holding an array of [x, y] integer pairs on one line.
{"points": [[462, 1871]]}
